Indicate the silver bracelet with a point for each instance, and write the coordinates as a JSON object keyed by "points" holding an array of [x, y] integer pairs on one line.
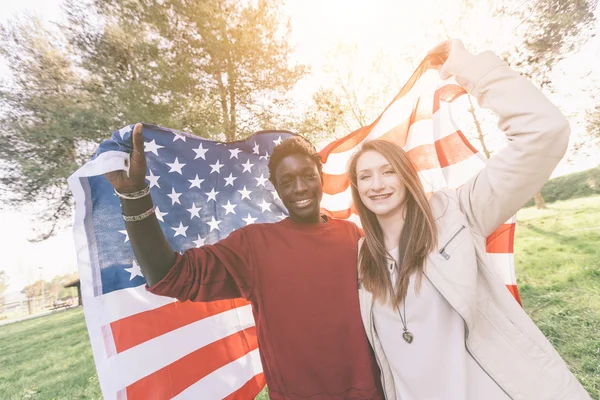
{"points": [[134, 195], [139, 217]]}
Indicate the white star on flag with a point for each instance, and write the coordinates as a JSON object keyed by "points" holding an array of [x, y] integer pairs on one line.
{"points": [[124, 131], [256, 148], [194, 211], [214, 224], [229, 180], [134, 271], [275, 195], [152, 146], [245, 193], [234, 153], [249, 220], [176, 166], [278, 141], [199, 242], [265, 206], [229, 208], [153, 179], [196, 182], [212, 195], [159, 215], [216, 167], [247, 166], [177, 136], [174, 197], [266, 156], [200, 152], [180, 230], [261, 180], [126, 235]]}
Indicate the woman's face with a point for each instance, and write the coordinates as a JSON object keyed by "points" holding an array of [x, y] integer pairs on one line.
{"points": [[379, 186]]}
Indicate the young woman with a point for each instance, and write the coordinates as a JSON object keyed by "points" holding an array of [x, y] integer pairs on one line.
{"points": [[441, 323]]}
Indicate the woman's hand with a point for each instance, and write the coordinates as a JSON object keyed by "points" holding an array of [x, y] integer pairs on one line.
{"points": [[137, 170], [447, 53]]}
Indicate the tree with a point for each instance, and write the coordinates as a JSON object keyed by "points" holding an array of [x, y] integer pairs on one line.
{"points": [[33, 291], [214, 68], [3, 286], [550, 31], [57, 289]]}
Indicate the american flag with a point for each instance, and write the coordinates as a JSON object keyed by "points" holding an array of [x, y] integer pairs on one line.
{"points": [[152, 347]]}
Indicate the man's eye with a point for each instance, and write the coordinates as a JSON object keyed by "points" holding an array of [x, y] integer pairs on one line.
{"points": [[285, 183], [310, 176]]}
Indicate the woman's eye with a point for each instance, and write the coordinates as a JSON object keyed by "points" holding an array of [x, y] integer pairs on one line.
{"points": [[363, 177], [389, 172]]}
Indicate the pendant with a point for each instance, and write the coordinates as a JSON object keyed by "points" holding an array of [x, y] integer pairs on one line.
{"points": [[407, 336]]}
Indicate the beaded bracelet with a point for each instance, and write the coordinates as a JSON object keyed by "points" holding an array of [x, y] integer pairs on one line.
{"points": [[134, 195], [139, 217]]}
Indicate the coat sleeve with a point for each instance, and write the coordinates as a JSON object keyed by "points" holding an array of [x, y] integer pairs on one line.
{"points": [[537, 134]]}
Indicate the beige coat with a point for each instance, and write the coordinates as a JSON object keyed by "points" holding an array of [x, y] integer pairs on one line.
{"points": [[499, 334]]}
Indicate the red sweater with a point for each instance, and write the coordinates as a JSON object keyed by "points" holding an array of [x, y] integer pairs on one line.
{"points": [[302, 283]]}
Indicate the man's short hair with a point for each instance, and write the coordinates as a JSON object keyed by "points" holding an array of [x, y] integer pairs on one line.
{"points": [[293, 145]]}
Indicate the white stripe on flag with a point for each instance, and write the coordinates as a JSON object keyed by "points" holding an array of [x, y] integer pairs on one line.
{"points": [[133, 364], [499, 263], [225, 380], [125, 302]]}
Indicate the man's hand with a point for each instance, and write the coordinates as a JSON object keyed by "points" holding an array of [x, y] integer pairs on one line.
{"points": [[137, 170]]}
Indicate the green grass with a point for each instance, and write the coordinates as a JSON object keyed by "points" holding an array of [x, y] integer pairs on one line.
{"points": [[557, 253], [47, 358], [558, 270]]}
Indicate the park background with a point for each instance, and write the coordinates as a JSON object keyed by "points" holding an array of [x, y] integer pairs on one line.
{"points": [[72, 71]]}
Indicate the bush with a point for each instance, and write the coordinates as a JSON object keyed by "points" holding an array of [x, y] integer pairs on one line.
{"points": [[571, 186]]}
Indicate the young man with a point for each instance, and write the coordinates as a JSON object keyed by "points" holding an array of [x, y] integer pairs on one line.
{"points": [[299, 274]]}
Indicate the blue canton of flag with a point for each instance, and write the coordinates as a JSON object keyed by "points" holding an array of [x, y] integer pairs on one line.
{"points": [[202, 190]]}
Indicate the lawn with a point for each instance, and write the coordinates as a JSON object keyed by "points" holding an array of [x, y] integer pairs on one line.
{"points": [[557, 252]]}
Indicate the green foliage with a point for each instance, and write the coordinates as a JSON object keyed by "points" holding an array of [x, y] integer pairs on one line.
{"points": [[571, 186], [217, 68], [3, 285]]}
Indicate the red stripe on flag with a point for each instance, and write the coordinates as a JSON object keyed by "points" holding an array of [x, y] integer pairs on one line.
{"points": [[341, 214], [447, 93], [139, 328], [334, 184], [501, 240], [191, 368], [250, 389], [453, 149], [514, 290]]}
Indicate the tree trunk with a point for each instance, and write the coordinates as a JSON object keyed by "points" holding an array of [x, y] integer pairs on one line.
{"points": [[223, 99], [480, 135], [231, 79], [540, 204]]}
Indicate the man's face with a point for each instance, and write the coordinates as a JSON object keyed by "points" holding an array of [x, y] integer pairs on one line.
{"points": [[298, 184]]}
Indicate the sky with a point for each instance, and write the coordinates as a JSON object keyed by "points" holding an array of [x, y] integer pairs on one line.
{"points": [[318, 27]]}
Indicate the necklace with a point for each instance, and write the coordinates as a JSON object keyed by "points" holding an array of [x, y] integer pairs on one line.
{"points": [[406, 335]]}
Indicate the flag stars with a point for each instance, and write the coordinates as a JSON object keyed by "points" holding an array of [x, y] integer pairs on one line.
{"points": [[275, 195], [265, 206], [266, 156], [200, 152], [229, 208], [176, 166], [153, 179], [261, 181], [126, 235], [245, 193], [278, 141], [200, 241], [247, 166], [180, 230], [196, 182], [174, 197], [249, 220], [134, 271], [214, 224], [229, 180], [256, 148], [212, 195], [194, 211], [216, 167], [125, 130], [159, 214], [151, 146], [177, 136], [234, 153]]}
